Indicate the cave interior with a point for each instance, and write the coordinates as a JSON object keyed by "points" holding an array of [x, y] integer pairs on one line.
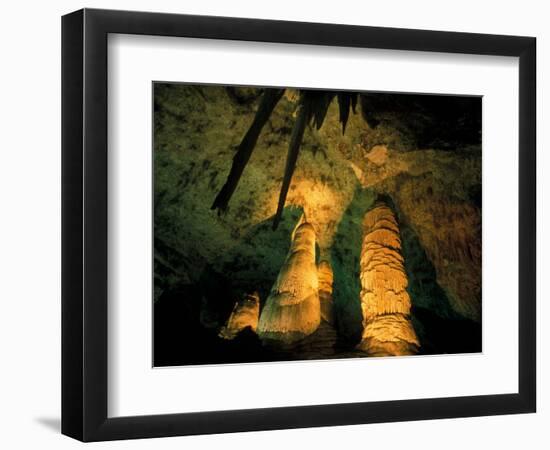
{"points": [[297, 224]]}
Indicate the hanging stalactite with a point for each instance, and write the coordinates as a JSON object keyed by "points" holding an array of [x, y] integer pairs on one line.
{"points": [[312, 108], [268, 102]]}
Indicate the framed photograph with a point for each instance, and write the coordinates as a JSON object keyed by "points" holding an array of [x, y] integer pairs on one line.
{"points": [[273, 224]]}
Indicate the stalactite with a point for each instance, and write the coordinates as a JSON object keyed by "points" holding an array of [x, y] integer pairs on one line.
{"points": [[385, 302], [245, 314], [292, 310], [268, 102], [324, 272], [304, 114]]}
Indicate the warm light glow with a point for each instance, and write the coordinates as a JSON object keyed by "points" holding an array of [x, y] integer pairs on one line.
{"points": [[292, 310], [326, 278], [322, 205], [385, 303], [245, 314]]}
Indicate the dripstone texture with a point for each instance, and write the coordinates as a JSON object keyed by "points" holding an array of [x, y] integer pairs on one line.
{"points": [[385, 302], [292, 310]]}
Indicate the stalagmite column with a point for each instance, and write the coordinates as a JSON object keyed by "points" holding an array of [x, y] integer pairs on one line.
{"points": [[292, 310], [245, 314], [324, 272], [385, 303]]}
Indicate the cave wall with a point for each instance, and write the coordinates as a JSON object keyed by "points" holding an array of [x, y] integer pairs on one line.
{"points": [[435, 192]]}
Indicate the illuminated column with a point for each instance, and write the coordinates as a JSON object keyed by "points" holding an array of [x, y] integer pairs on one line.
{"points": [[385, 303], [292, 310], [324, 272], [245, 314]]}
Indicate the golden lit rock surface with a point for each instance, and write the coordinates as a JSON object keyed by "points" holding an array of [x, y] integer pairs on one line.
{"points": [[292, 310], [385, 302], [389, 335], [378, 155], [245, 314], [326, 277]]}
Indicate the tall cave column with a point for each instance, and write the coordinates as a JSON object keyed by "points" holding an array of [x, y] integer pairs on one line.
{"points": [[292, 310], [385, 303]]}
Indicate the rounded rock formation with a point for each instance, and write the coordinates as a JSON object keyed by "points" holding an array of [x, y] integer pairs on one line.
{"points": [[292, 310], [245, 314]]}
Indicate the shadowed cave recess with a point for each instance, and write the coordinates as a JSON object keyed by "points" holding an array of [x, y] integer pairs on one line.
{"points": [[298, 224]]}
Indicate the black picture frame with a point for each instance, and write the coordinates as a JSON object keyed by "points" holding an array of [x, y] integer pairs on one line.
{"points": [[84, 224]]}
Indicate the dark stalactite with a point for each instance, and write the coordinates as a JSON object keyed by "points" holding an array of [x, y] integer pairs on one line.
{"points": [[344, 102], [321, 102], [302, 120], [268, 102], [313, 107]]}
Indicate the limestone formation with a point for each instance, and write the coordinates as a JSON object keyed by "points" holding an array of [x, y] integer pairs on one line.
{"points": [[245, 314], [436, 189], [324, 272], [385, 303], [389, 335], [292, 310]]}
